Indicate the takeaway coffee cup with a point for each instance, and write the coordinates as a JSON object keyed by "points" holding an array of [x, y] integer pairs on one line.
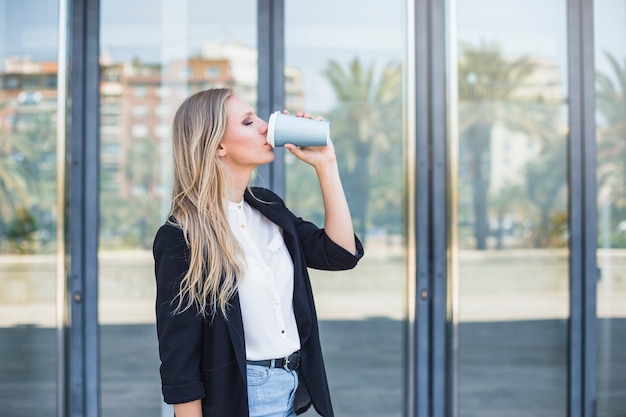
{"points": [[285, 128]]}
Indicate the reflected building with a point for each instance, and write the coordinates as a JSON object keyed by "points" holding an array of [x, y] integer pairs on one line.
{"points": [[28, 89]]}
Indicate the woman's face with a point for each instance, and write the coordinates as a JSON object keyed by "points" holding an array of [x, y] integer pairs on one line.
{"points": [[244, 145]]}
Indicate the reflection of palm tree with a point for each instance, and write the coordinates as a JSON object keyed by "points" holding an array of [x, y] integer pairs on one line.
{"points": [[12, 179], [486, 80], [545, 181], [144, 173], [504, 201], [364, 119], [27, 167], [611, 101], [141, 168], [13, 184]]}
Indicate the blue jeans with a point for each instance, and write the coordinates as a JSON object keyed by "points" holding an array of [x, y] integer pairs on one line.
{"points": [[271, 391]]}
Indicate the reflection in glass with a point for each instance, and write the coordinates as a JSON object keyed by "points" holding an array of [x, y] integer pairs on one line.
{"points": [[512, 221], [152, 59], [28, 207], [347, 67], [611, 149]]}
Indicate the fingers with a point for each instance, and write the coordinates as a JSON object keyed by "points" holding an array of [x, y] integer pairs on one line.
{"points": [[296, 151], [309, 153], [305, 115]]}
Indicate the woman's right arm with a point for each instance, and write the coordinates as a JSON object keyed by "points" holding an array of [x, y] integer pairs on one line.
{"points": [[180, 334], [190, 409]]}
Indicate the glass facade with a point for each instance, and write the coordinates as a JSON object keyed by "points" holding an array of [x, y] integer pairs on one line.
{"points": [[28, 207], [184, 47], [610, 63], [512, 221], [507, 335], [347, 66]]}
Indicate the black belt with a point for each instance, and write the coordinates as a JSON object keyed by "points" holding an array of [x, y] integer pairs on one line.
{"points": [[288, 363]]}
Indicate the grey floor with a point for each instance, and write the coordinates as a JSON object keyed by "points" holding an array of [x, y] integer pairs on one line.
{"points": [[508, 369]]}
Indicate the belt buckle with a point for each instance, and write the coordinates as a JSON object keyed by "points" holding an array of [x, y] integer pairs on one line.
{"points": [[286, 363]]}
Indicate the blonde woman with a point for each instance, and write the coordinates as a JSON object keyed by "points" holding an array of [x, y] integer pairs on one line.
{"points": [[236, 321]]}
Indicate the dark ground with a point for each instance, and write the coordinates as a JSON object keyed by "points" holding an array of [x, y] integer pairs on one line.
{"points": [[507, 369]]}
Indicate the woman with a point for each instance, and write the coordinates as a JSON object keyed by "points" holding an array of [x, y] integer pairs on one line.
{"points": [[236, 321]]}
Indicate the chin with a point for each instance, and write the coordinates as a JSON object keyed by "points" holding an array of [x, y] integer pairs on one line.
{"points": [[267, 158]]}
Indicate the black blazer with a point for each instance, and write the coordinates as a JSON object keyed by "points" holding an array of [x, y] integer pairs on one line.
{"points": [[204, 359]]}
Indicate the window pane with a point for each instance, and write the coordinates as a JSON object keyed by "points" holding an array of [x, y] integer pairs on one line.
{"points": [[344, 62], [28, 207], [512, 223], [610, 16], [154, 54]]}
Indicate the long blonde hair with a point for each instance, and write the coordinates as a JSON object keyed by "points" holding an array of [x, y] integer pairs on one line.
{"points": [[199, 204]]}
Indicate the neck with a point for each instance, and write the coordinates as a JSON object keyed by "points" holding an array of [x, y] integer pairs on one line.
{"points": [[238, 187]]}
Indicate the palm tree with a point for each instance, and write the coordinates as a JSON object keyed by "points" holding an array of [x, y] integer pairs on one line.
{"points": [[366, 116], [545, 176], [25, 184], [486, 81], [611, 102], [143, 172], [505, 201], [41, 170], [545, 184], [13, 180]]}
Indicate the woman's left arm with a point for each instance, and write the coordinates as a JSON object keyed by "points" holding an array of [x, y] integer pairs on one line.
{"points": [[337, 218]]}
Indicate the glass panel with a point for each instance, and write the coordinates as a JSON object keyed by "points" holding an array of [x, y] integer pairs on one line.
{"points": [[610, 31], [345, 64], [28, 207], [512, 223], [154, 54]]}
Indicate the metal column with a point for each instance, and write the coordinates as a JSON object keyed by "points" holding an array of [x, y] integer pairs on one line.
{"points": [[79, 374], [271, 83], [427, 210], [583, 212]]}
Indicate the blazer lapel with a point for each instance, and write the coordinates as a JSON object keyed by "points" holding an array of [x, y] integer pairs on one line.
{"points": [[271, 211], [234, 323]]}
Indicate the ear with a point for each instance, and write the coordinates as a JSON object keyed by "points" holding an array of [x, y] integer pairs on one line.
{"points": [[220, 150]]}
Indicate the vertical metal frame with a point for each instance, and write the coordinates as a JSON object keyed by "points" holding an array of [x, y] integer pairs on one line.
{"points": [[582, 207], [62, 321], [427, 379], [419, 205], [452, 364], [439, 217], [78, 298], [271, 82]]}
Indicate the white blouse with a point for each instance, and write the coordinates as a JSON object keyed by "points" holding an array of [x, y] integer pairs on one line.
{"points": [[266, 289]]}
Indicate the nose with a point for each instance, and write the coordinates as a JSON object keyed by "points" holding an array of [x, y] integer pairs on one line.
{"points": [[263, 126]]}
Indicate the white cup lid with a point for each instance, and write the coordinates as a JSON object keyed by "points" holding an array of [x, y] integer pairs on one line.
{"points": [[270, 128]]}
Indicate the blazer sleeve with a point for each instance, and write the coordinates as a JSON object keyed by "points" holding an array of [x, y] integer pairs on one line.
{"points": [[179, 335], [320, 252]]}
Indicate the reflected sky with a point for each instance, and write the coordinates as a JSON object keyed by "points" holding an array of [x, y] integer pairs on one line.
{"points": [[324, 23], [28, 27], [534, 16], [611, 33]]}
